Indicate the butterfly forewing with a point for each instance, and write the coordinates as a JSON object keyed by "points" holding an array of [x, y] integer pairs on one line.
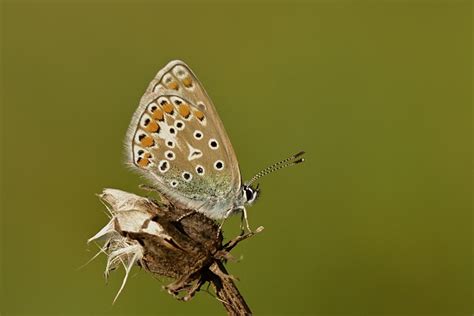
{"points": [[177, 139]]}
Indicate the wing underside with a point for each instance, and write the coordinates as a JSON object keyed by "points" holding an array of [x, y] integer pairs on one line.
{"points": [[177, 139]]}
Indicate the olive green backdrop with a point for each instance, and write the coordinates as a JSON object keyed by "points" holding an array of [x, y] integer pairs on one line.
{"points": [[376, 222]]}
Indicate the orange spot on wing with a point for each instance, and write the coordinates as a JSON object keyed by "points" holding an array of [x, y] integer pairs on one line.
{"points": [[158, 115], [143, 162], [168, 108], [147, 141], [153, 127], [184, 110], [188, 82], [199, 115], [173, 85]]}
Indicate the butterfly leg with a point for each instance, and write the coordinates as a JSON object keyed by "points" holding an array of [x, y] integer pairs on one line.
{"points": [[245, 218], [242, 228]]}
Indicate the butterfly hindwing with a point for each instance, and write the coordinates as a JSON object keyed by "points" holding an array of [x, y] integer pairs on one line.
{"points": [[177, 139]]}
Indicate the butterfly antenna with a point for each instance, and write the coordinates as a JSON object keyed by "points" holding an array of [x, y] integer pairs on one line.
{"points": [[290, 161]]}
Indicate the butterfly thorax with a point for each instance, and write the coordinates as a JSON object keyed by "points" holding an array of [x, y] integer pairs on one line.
{"points": [[231, 204], [219, 208]]}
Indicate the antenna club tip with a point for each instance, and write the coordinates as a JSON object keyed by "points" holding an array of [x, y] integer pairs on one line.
{"points": [[299, 154], [290, 161]]}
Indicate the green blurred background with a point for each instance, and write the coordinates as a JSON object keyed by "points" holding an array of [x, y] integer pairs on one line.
{"points": [[378, 221]]}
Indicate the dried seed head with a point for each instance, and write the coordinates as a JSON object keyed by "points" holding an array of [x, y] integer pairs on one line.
{"points": [[130, 214]]}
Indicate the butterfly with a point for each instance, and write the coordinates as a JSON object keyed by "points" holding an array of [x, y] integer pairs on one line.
{"points": [[177, 140]]}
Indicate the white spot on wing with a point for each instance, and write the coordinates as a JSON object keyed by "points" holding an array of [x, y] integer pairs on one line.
{"points": [[213, 144], [201, 106], [146, 119], [177, 101], [179, 72], [163, 166], [187, 176], [138, 135], [179, 125], [152, 107], [200, 170], [166, 135], [219, 165], [138, 150], [158, 87], [198, 134], [193, 153], [170, 155], [170, 143], [163, 100], [167, 78]]}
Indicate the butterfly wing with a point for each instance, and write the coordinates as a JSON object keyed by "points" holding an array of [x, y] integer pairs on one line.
{"points": [[177, 139]]}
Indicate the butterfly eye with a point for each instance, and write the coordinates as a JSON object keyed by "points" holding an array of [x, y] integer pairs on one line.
{"points": [[219, 165], [213, 144], [248, 194], [198, 135]]}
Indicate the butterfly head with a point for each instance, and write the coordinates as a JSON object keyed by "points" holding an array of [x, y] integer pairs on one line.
{"points": [[250, 194]]}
